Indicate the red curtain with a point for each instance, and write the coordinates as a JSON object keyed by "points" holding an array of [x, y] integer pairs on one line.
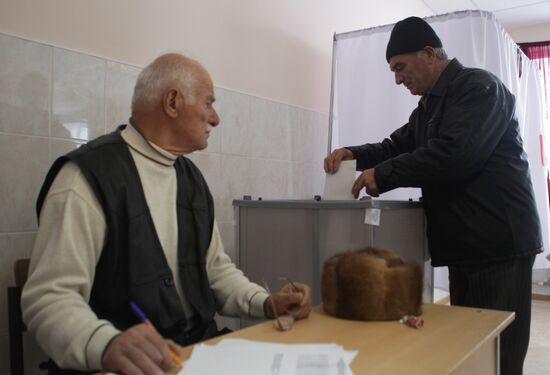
{"points": [[539, 53], [537, 50]]}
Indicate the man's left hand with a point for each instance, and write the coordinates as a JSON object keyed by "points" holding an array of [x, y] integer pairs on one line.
{"points": [[294, 299], [366, 179]]}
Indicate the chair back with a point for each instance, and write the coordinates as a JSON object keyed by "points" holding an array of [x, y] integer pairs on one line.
{"points": [[16, 325]]}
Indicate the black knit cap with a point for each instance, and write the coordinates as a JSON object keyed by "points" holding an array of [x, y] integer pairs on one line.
{"points": [[411, 35]]}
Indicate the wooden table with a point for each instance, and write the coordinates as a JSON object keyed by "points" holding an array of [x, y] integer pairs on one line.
{"points": [[454, 340]]}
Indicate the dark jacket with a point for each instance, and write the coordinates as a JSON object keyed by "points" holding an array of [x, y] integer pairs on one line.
{"points": [[132, 265], [462, 146]]}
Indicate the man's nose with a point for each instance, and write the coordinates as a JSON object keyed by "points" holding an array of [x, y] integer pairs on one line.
{"points": [[398, 79], [214, 119]]}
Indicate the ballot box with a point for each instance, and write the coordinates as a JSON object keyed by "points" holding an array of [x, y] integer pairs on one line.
{"points": [[278, 239]]}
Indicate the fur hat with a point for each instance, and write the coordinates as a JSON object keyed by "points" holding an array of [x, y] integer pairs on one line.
{"points": [[371, 284], [411, 35]]}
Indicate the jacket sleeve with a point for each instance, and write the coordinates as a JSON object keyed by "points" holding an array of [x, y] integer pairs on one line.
{"points": [[372, 154], [472, 124]]}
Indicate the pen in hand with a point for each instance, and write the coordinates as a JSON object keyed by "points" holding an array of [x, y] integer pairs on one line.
{"points": [[141, 315]]}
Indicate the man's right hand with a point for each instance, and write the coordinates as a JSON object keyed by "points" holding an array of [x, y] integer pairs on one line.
{"points": [[138, 350], [332, 162]]}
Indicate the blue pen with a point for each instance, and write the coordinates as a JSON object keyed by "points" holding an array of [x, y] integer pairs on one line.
{"points": [[141, 315]]}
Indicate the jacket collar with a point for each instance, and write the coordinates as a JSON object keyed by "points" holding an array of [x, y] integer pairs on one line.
{"points": [[447, 75]]}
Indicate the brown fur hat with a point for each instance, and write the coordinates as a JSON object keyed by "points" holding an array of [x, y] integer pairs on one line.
{"points": [[371, 284]]}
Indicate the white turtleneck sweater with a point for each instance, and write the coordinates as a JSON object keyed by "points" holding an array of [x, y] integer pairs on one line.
{"points": [[68, 246]]}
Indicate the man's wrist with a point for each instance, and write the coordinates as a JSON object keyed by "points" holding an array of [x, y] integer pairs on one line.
{"points": [[97, 344], [349, 153], [256, 307], [268, 310], [107, 348]]}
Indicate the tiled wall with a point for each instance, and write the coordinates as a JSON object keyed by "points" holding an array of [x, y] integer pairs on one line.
{"points": [[52, 100]]}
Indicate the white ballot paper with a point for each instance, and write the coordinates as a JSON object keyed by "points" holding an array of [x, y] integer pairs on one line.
{"points": [[246, 357], [372, 216], [338, 186]]}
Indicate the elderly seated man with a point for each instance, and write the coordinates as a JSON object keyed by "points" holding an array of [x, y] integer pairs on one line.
{"points": [[127, 217]]}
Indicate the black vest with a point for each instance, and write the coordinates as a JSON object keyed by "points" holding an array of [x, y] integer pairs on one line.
{"points": [[132, 265]]}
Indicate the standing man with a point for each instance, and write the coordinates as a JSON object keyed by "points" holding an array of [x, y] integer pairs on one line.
{"points": [[462, 146], [128, 218]]}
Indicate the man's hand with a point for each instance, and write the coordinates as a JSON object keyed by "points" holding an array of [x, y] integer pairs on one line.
{"points": [[294, 299], [332, 162], [138, 350], [366, 179]]}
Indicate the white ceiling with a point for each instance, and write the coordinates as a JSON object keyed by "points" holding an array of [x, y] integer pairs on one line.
{"points": [[512, 14]]}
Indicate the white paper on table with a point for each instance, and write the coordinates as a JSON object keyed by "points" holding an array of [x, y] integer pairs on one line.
{"points": [[239, 356], [338, 185]]}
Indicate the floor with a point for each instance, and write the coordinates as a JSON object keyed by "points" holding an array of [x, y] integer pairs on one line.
{"points": [[538, 355]]}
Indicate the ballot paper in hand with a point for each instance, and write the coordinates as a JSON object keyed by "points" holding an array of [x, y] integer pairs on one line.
{"points": [[244, 357], [338, 186]]}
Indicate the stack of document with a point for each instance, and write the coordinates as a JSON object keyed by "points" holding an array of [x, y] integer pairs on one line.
{"points": [[244, 357]]}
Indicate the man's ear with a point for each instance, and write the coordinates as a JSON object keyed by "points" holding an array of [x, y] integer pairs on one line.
{"points": [[170, 103], [430, 53]]}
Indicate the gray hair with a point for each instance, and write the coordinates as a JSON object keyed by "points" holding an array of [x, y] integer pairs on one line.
{"points": [[158, 76], [440, 53]]}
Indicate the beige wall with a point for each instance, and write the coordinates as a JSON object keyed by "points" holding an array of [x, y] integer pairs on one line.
{"points": [[537, 33], [276, 49]]}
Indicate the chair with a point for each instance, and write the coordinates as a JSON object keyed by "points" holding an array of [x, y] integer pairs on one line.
{"points": [[16, 325]]}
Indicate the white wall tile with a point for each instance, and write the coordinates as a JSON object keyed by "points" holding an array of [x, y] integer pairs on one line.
{"points": [[269, 130], [59, 147], [302, 129], [235, 180], [270, 179], [210, 166], [235, 125], [320, 126], [24, 86], [120, 80], [25, 161], [78, 95], [303, 181]]}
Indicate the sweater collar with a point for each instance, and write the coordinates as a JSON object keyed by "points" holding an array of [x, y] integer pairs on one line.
{"points": [[148, 149]]}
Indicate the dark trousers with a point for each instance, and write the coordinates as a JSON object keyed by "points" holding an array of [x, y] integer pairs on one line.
{"points": [[500, 286]]}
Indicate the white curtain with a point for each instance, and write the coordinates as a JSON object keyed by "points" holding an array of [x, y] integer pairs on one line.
{"points": [[368, 105]]}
